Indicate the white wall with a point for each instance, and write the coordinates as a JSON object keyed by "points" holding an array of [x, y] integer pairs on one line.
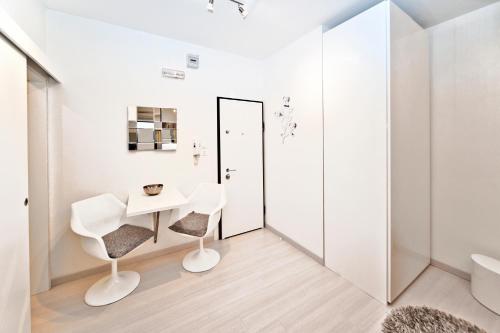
{"points": [[30, 16], [466, 137], [294, 170], [106, 68]]}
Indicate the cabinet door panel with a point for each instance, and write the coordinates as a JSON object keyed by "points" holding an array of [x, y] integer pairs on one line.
{"points": [[355, 118], [14, 238]]}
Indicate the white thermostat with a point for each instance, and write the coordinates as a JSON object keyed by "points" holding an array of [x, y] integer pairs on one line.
{"points": [[193, 61]]}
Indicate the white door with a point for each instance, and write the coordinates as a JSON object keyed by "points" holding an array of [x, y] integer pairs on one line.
{"points": [[14, 235], [241, 165]]}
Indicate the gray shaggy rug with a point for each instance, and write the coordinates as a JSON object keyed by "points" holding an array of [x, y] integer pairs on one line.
{"points": [[414, 319]]}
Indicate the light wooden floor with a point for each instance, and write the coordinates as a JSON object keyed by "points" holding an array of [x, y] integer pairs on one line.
{"points": [[262, 284]]}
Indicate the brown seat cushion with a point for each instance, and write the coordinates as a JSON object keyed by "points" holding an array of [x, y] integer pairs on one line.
{"points": [[125, 239], [193, 224]]}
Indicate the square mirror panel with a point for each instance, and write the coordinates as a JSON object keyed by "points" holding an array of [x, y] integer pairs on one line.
{"points": [[152, 128]]}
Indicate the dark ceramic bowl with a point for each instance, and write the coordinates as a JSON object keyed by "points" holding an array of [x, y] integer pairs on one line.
{"points": [[153, 189]]}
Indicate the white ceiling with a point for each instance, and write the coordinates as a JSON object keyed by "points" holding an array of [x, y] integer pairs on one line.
{"points": [[270, 25]]}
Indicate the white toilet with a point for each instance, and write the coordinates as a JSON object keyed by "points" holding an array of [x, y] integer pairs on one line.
{"points": [[485, 281]]}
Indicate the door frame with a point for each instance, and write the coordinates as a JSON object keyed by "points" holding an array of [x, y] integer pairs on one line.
{"points": [[41, 273], [219, 173]]}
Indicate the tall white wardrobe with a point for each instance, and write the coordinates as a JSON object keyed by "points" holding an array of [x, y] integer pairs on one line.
{"points": [[377, 150]]}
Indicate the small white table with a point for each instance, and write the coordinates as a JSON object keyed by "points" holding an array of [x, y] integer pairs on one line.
{"points": [[140, 203]]}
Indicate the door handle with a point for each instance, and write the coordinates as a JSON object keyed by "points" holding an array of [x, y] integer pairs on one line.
{"points": [[229, 170], [228, 176]]}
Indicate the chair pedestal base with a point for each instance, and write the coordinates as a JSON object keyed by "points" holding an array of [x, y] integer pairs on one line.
{"points": [[111, 288], [201, 260]]}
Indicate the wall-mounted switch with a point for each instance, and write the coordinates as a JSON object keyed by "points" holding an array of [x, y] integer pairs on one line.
{"points": [[196, 149], [193, 61]]}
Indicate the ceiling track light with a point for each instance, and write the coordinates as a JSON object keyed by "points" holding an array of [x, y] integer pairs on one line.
{"points": [[242, 8], [210, 6], [243, 11]]}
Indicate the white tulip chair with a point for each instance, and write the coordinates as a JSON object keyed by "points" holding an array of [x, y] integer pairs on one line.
{"points": [[197, 220], [98, 222]]}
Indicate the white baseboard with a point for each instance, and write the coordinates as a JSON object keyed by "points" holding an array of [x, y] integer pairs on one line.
{"points": [[451, 270], [296, 245]]}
